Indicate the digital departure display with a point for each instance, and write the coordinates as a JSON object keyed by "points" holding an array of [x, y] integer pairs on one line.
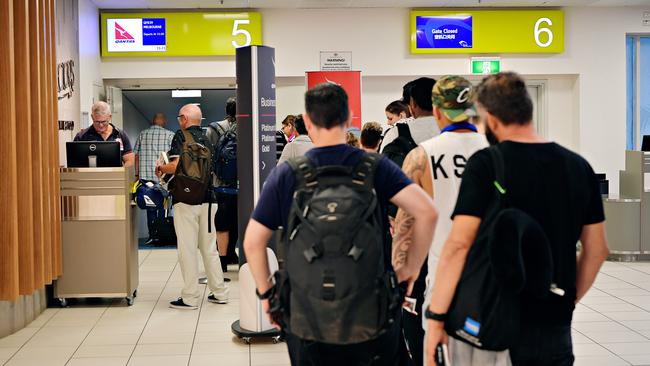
{"points": [[136, 35], [453, 31]]}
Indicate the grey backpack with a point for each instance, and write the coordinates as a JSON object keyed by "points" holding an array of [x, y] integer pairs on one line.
{"points": [[335, 284]]}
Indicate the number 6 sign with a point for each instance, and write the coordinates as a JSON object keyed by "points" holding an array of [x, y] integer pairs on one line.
{"points": [[539, 31]]}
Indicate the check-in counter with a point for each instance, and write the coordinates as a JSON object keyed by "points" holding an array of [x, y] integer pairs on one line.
{"points": [[100, 247], [628, 213]]}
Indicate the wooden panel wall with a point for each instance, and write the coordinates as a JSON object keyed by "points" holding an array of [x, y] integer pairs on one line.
{"points": [[45, 186], [30, 220], [56, 176], [24, 148], [36, 133], [9, 283]]}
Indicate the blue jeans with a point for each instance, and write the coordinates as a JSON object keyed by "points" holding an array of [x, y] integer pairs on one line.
{"points": [[541, 345]]}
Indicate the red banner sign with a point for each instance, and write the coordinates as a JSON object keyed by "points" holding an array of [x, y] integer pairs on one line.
{"points": [[350, 81]]}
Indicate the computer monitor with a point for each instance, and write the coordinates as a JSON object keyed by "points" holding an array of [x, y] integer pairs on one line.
{"points": [[645, 145], [82, 154]]}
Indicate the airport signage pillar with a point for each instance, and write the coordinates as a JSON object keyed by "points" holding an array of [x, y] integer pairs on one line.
{"points": [[256, 153]]}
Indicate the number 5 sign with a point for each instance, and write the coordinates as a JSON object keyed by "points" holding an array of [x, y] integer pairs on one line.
{"points": [[236, 31], [487, 31], [184, 33]]}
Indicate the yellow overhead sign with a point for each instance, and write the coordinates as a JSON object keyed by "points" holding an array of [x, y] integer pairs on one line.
{"points": [[178, 33], [487, 31]]}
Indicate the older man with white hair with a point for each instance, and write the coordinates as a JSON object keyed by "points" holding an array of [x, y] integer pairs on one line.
{"points": [[103, 130], [191, 224]]}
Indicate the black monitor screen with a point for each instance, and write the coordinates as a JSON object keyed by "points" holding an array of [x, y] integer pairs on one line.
{"points": [[105, 154], [645, 146]]}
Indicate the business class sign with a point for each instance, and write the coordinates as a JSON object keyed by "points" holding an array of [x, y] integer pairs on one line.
{"points": [[487, 31], [179, 33]]}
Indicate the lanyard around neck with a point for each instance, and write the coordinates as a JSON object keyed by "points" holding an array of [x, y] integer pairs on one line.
{"points": [[459, 126]]}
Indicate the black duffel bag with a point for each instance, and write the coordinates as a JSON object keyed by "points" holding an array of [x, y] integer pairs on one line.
{"points": [[163, 232]]}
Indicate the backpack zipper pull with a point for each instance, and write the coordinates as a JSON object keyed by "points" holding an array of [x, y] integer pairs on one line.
{"points": [[556, 290]]}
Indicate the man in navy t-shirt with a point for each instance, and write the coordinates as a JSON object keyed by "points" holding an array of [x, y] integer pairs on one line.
{"points": [[327, 120]]}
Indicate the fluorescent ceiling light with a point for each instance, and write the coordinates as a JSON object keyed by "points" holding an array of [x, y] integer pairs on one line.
{"points": [[186, 94]]}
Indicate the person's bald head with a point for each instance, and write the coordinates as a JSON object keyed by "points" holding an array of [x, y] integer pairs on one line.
{"points": [[190, 115], [159, 119]]}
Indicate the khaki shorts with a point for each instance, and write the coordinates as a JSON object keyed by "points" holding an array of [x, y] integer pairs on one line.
{"points": [[462, 354]]}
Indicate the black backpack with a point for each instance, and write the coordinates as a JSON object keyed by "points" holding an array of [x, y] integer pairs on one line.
{"points": [[335, 284], [397, 149], [510, 258], [193, 173], [225, 152]]}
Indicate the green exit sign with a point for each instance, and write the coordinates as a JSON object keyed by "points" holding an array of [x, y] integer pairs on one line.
{"points": [[485, 66]]}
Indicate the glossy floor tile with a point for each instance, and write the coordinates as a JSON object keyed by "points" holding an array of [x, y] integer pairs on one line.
{"points": [[611, 326]]}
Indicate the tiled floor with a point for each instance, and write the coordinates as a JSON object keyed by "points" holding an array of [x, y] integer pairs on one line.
{"points": [[611, 326], [107, 333]]}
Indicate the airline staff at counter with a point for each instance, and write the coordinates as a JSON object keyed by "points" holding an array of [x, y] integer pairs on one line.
{"points": [[103, 130]]}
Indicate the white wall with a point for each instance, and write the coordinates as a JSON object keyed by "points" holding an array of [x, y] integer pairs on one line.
{"points": [[67, 61], [585, 85], [90, 77]]}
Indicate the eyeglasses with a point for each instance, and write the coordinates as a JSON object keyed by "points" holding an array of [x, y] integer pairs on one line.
{"points": [[179, 117], [103, 123]]}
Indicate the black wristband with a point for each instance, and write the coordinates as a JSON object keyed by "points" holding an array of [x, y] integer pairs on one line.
{"points": [[266, 295], [433, 316]]}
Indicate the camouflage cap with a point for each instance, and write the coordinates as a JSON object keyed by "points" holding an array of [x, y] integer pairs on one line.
{"points": [[453, 95]]}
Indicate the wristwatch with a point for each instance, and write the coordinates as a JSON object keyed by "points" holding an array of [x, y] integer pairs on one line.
{"points": [[266, 295], [433, 316]]}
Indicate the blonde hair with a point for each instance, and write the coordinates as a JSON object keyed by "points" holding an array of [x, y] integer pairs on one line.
{"points": [[352, 140]]}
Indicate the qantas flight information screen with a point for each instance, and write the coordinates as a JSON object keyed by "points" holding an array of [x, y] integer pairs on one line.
{"points": [[136, 35]]}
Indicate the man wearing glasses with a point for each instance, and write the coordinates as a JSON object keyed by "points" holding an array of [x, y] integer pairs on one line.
{"points": [[103, 130], [191, 223]]}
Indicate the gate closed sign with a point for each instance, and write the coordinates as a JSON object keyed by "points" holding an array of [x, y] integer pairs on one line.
{"points": [[487, 31]]}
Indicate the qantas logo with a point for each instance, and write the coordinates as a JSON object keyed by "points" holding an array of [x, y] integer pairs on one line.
{"points": [[122, 36]]}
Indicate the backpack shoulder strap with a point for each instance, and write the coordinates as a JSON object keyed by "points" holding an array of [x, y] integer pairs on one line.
{"points": [[404, 131], [214, 127], [218, 129], [364, 171], [223, 129], [499, 172], [188, 136], [304, 172]]}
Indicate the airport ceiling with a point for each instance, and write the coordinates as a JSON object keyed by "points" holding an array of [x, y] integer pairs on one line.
{"points": [[316, 4]]}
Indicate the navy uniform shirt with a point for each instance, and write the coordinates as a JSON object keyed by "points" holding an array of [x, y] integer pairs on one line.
{"points": [[90, 134], [274, 204]]}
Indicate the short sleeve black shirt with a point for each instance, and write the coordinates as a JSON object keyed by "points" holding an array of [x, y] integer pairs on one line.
{"points": [[90, 134], [556, 187], [199, 136]]}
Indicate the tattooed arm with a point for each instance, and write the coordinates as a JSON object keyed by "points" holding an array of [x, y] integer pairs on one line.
{"points": [[417, 167]]}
